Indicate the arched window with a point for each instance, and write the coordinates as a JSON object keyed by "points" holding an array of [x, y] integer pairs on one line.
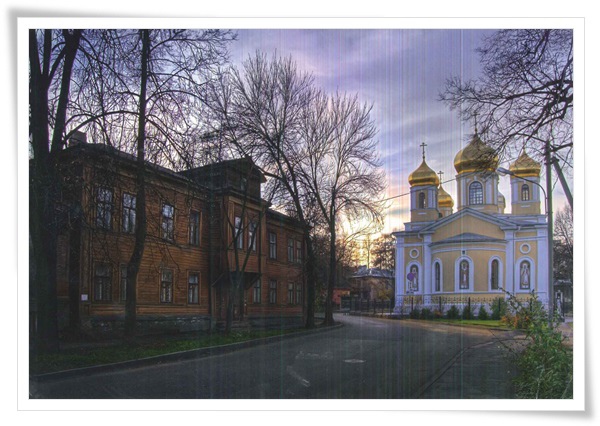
{"points": [[495, 275], [421, 200], [476, 193], [438, 277], [525, 192], [525, 275]]}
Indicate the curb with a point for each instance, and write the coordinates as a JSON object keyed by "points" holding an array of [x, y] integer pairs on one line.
{"points": [[175, 356]]}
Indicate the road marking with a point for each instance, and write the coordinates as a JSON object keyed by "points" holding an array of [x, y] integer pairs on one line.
{"points": [[354, 361]]}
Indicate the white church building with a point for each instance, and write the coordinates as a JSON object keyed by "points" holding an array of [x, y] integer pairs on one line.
{"points": [[469, 256]]}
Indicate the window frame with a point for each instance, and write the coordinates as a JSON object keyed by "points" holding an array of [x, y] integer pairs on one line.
{"points": [[194, 228], [257, 293], [252, 228], [104, 207], [291, 291], [167, 223], [238, 234], [525, 193], [104, 282], [190, 285], [272, 245], [165, 284], [299, 252], [272, 292], [290, 250], [475, 193], [128, 214]]}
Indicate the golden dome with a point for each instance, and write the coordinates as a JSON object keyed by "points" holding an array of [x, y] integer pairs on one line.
{"points": [[423, 175], [444, 199], [525, 166], [476, 157]]}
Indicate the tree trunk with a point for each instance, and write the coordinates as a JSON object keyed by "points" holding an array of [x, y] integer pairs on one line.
{"points": [[310, 280], [332, 277], [141, 226]]}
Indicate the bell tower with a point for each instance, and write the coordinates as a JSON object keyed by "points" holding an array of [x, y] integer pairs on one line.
{"points": [[423, 192]]}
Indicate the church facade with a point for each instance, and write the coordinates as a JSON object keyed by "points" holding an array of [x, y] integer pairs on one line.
{"points": [[472, 255]]}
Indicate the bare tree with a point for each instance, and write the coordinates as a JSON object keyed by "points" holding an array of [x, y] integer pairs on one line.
{"points": [[563, 243], [340, 169], [384, 252], [525, 94], [142, 91], [52, 54], [259, 112]]}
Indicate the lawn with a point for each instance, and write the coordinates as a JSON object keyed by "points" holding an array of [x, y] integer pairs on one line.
{"points": [[85, 355]]}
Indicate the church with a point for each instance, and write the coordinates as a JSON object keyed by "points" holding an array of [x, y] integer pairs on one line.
{"points": [[448, 258]]}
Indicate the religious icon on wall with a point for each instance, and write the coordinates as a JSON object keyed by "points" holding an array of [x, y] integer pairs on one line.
{"points": [[525, 270], [413, 279], [464, 274]]}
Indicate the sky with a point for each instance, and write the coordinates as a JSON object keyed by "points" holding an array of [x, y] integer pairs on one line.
{"points": [[401, 72]]}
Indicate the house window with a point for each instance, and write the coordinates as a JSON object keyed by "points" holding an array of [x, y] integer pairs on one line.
{"points": [[421, 200], [299, 294], [168, 222], [272, 292], [299, 251], [128, 213], [123, 289], [256, 295], [525, 275], [495, 275], [438, 277], [102, 283], [290, 250], [525, 192], [166, 286], [238, 236], [194, 288], [476, 193], [290, 293], [252, 236], [463, 275], [272, 245], [194, 230], [104, 206]]}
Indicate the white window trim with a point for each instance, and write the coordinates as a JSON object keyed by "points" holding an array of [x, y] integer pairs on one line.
{"points": [[419, 277], [500, 274], [441, 290], [457, 288], [532, 278]]}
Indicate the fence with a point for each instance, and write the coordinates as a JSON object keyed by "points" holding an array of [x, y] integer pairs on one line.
{"points": [[353, 304]]}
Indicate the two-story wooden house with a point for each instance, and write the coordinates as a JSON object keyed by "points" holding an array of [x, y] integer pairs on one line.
{"points": [[206, 228]]}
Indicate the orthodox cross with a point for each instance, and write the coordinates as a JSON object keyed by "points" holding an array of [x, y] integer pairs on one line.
{"points": [[440, 173], [423, 145]]}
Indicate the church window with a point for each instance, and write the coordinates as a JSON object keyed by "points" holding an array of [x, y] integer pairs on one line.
{"points": [[421, 200], [525, 192], [438, 277], [495, 274], [463, 274], [525, 275], [476, 193]]}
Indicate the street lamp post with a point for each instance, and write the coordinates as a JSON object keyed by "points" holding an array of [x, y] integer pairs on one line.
{"points": [[548, 201]]}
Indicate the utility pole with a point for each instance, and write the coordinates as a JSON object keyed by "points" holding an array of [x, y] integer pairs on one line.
{"points": [[550, 231]]}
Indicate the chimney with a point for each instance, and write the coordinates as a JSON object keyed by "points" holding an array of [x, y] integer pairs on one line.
{"points": [[77, 138]]}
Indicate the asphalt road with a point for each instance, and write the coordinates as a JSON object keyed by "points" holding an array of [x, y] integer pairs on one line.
{"points": [[367, 358]]}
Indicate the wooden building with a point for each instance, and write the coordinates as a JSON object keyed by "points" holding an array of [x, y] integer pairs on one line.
{"points": [[206, 228]]}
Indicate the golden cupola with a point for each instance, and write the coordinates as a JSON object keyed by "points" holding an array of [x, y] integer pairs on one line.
{"points": [[476, 157], [525, 166], [444, 199], [423, 175]]}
